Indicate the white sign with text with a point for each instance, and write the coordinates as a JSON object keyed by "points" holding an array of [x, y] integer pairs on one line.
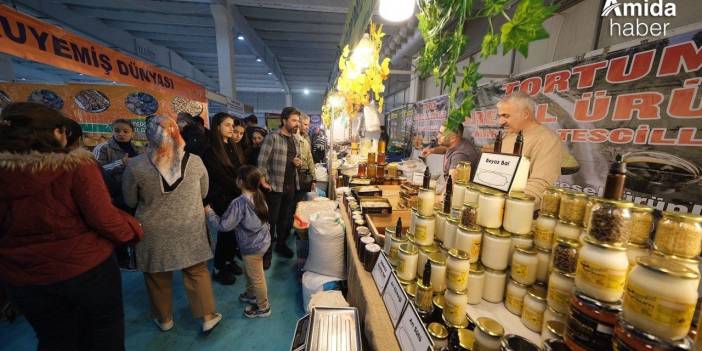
{"points": [[496, 171], [411, 333], [381, 272], [395, 299]]}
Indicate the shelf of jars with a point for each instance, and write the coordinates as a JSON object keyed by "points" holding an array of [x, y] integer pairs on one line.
{"points": [[585, 273]]}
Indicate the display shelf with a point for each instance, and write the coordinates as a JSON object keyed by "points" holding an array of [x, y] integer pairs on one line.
{"points": [[511, 322]]}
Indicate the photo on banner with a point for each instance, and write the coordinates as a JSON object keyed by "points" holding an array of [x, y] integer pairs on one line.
{"points": [[642, 102]]}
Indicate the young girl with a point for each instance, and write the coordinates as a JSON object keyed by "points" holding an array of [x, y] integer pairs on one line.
{"points": [[247, 216]]}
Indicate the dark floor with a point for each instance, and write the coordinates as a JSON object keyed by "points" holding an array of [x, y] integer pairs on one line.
{"points": [[235, 333]]}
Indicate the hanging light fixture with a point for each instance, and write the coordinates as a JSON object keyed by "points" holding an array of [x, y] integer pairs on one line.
{"points": [[396, 10], [361, 56]]}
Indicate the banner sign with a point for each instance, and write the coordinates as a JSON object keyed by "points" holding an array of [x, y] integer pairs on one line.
{"points": [[429, 115], [642, 102], [96, 106], [29, 38], [399, 122]]}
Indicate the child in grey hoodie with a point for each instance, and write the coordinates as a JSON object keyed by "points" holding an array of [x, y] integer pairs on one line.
{"points": [[247, 215]]}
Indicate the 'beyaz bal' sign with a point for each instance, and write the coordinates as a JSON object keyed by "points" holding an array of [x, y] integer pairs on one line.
{"points": [[503, 172]]}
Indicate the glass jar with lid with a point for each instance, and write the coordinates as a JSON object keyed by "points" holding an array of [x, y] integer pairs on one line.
{"points": [[438, 272], [476, 283], [567, 230], [457, 195], [494, 286], [565, 255], [641, 224], [551, 201], [450, 229], [524, 265], [372, 170], [514, 296], [469, 215], [424, 230], [524, 241], [519, 213], [457, 268], [425, 201], [691, 263], [561, 287], [395, 243], [611, 221], [590, 323], [471, 194], [488, 333], [466, 337], [552, 330], [542, 269], [491, 206], [362, 170], [468, 239], [495, 249], [660, 297], [455, 303], [601, 270], [439, 335], [462, 172], [407, 263], [534, 307], [543, 231], [423, 256], [439, 224], [679, 234], [572, 206]]}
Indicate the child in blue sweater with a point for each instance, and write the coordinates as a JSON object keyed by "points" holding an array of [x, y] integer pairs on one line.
{"points": [[247, 216]]}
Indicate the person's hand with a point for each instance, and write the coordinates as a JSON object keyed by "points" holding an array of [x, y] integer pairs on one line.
{"points": [[297, 162], [265, 185], [426, 152], [125, 159], [208, 208]]}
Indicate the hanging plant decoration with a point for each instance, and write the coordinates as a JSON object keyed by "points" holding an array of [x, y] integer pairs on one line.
{"points": [[441, 24], [361, 73]]}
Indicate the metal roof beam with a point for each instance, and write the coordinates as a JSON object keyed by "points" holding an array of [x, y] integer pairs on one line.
{"points": [[166, 7], [284, 26], [162, 28], [259, 13], [333, 6], [144, 17], [292, 36]]}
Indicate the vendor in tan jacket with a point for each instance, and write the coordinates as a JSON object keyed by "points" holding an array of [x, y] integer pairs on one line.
{"points": [[541, 145]]}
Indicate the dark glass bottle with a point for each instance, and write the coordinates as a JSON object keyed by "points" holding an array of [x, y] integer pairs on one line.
{"points": [[498, 142], [427, 178], [518, 144], [447, 195], [398, 228], [614, 188]]}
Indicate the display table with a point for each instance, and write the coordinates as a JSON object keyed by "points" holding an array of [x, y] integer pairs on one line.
{"points": [[363, 294]]}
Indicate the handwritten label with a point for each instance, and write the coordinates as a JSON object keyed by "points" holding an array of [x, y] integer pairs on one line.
{"points": [[411, 334], [496, 171], [381, 272], [395, 299]]}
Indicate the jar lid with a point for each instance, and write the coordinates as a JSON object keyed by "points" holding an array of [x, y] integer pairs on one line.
{"points": [[438, 301], [491, 192], [476, 268], [639, 246], [411, 289], [574, 193], [688, 217], [547, 215], [573, 224], [367, 239], [543, 250], [459, 254], [470, 228], [642, 208], [525, 250], [437, 257], [469, 205], [497, 232], [565, 274], [559, 315], [372, 247], [437, 330], [490, 326], [426, 217], [518, 195], [442, 214], [466, 338], [429, 248], [462, 292], [683, 260], [453, 220], [592, 241], [611, 307], [408, 249], [389, 229], [661, 265], [568, 242], [522, 236], [517, 283], [537, 292], [401, 240], [490, 270], [617, 203], [414, 208], [555, 327], [460, 183]]}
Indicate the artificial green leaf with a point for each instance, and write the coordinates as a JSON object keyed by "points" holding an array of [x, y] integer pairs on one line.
{"points": [[489, 45], [526, 25], [493, 7]]}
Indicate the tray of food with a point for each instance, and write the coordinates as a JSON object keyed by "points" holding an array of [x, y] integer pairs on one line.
{"points": [[375, 205], [367, 190], [360, 181]]}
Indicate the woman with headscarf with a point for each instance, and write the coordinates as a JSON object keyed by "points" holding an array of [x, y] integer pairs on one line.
{"points": [[257, 136], [167, 185]]}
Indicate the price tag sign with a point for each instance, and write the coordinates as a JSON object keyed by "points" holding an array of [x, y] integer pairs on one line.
{"points": [[411, 333], [395, 299], [382, 271], [497, 171]]}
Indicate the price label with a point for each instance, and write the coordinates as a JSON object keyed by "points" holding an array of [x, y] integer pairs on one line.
{"points": [[410, 332], [382, 271], [496, 171], [395, 299]]}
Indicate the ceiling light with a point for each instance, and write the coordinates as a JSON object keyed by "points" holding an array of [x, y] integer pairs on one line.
{"points": [[396, 10], [270, 73], [240, 37], [258, 59], [306, 92]]}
